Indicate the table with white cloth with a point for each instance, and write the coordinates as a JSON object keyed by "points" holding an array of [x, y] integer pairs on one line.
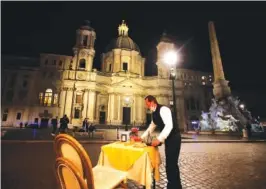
{"points": [[141, 163]]}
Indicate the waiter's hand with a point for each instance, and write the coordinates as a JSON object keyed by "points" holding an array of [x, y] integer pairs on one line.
{"points": [[155, 142]]}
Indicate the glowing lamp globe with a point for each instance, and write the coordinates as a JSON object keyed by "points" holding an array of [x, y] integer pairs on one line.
{"points": [[171, 58]]}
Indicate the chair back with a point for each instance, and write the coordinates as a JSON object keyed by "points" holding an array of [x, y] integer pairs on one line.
{"points": [[68, 175], [68, 147]]}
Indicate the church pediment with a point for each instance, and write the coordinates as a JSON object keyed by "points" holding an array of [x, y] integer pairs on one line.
{"points": [[127, 83]]}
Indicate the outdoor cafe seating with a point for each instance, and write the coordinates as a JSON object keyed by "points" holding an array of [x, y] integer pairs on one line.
{"points": [[118, 161], [97, 177], [68, 174]]}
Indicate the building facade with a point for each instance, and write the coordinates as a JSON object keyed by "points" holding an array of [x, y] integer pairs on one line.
{"points": [[115, 95]]}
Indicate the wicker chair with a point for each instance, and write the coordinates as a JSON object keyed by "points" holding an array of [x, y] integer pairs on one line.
{"points": [[98, 177], [68, 175]]}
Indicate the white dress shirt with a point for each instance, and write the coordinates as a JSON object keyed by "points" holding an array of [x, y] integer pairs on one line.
{"points": [[166, 116]]}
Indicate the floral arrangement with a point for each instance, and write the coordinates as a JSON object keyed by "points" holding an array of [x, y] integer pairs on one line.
{"points": [[134, 134]]}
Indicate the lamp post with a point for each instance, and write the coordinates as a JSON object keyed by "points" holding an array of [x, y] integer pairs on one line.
{"points": [[171, 58], [173, 77]]}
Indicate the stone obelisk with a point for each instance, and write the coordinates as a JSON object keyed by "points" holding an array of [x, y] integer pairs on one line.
{"points": [[221, 89]]}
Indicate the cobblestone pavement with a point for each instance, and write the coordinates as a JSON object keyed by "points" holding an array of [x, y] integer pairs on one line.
{"points": [[219, 166], [202, 165]]}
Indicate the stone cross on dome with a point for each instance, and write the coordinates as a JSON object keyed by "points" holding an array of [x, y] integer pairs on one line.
{"points": [[123, 29]]}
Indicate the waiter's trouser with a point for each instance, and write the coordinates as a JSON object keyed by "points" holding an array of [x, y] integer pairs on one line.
{"points": [[172, 150]]}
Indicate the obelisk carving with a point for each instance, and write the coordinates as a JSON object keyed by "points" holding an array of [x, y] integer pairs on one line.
{"points": [[220, 85]]}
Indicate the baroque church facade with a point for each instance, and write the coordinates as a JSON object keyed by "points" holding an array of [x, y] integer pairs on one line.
{"points": [[115, 95]]}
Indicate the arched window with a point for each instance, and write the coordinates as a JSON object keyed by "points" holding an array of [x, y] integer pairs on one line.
{"points": [[48, 97], [82, 63]]}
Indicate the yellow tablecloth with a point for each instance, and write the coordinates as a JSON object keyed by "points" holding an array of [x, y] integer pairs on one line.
{"points": [[139, 162]]}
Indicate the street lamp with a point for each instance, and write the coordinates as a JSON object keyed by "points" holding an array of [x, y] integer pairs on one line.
{"points": [[171, 58], [242, 106]]}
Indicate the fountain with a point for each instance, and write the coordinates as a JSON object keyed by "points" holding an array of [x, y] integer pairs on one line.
{"points": [[225, 113]]}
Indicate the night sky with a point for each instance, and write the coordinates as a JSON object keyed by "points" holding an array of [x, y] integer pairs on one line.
{"points": [[31, 28]]}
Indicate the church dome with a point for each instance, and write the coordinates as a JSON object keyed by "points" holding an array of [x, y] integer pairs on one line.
{"points": [[123, 41]]}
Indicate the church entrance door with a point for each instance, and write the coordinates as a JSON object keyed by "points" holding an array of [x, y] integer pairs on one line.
{"points": [[126, 115], [102, 117]]}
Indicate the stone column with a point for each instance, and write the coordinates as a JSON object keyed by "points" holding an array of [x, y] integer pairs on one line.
{"points": [[85, 104], [139, 108], [115, 110], [68, 102], [74, 94], [96, 105], [62, 102], [134, 107], [109, 108], [112, 113], [92, 95], [119, 108], [143, 109], [74, 97], [58, 99]]}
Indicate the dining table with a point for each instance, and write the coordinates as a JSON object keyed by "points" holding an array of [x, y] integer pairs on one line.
{"points": [[141, 162]]}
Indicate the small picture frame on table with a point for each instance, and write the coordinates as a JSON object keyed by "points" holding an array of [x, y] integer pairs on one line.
{"points": [[123, 137]]}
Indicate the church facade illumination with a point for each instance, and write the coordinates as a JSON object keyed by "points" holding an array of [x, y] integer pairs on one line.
{"points": [[113, 95]]}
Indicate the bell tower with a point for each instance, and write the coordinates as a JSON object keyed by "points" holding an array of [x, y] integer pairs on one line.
{"points": [[163, 46], [84, 48]]}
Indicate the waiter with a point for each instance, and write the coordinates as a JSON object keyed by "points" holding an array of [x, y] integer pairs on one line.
{"points": [[169, 135]]}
